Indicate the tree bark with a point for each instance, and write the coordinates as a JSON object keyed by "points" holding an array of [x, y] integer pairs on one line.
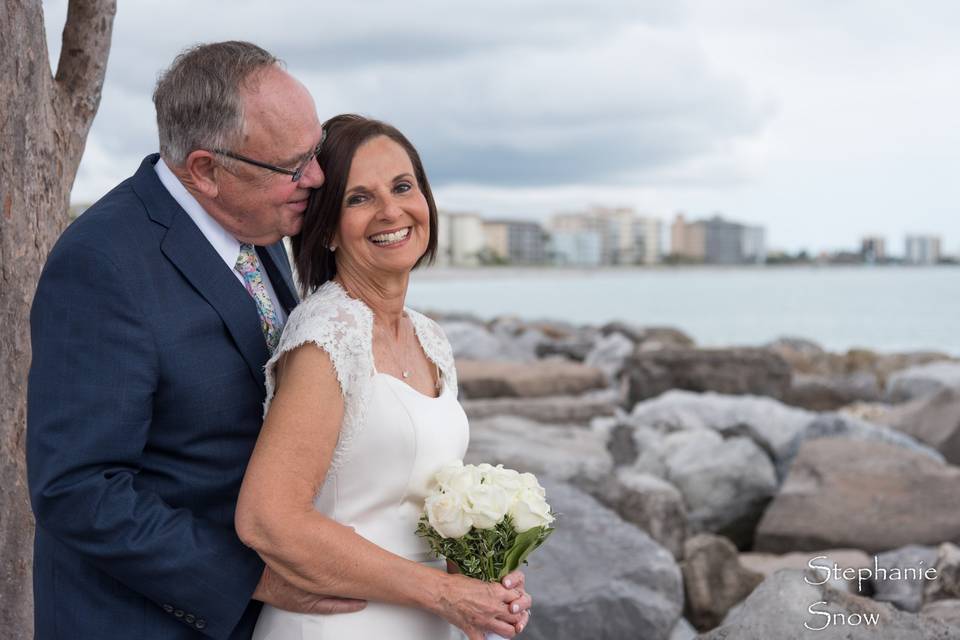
{"points": [[44, 121]]}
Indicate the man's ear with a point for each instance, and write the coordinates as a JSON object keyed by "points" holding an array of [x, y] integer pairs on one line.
{"points": [[201, 168]]}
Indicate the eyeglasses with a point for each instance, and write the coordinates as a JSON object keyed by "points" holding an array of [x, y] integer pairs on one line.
{"points": [[295, 173]]}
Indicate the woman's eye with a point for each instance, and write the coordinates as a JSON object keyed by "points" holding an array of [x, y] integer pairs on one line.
{"points": [[354, 200], [403, 187]]}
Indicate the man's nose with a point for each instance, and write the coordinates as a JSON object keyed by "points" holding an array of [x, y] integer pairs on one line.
{"points": [[312, 175]]}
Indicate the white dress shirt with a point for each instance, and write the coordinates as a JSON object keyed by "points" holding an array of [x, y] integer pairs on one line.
{"points": [[219, 238]]}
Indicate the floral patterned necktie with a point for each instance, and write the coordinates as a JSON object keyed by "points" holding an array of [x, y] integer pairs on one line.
{"points": [[249, 267]]}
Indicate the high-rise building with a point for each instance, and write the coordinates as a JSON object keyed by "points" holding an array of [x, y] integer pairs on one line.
{"points": [[688, 239], [646, 240], [460, 239], [718, 241], [516, 241], [873, 249], [753, 244], [580, 248], [921, 249], [625, 238]]}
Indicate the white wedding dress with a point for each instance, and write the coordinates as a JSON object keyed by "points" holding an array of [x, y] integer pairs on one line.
{"points": [[392, 440]]}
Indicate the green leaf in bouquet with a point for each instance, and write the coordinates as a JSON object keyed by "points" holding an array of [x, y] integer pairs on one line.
{"points": [[523, 546]]}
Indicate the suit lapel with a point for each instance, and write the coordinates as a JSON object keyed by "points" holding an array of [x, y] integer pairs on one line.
{"points": [[202, 266], [190, 252]]}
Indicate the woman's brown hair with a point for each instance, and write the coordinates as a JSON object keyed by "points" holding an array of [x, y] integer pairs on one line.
{"points": [[344, 134]]}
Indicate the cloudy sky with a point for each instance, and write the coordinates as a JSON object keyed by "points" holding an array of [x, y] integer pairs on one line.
{"points": [[822, 120]]}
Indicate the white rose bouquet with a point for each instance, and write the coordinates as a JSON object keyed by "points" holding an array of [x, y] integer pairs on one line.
{"points": [[485, 519]]}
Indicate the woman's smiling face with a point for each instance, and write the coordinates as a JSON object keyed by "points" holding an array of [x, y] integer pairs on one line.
{"points": [[384, 219]]}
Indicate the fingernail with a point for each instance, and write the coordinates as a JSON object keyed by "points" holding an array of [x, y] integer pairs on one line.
{"points": [[508, 583], [514, 608]]}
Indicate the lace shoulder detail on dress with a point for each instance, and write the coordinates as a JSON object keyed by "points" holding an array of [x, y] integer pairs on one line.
{"points": [[343, 328], [436, 345]]}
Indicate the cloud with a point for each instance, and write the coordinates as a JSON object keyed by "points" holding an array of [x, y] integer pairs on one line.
{"points": [[511, 94], [823, 120]]}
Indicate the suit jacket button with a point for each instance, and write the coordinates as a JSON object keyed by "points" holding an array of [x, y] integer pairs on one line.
{"points": [[201, 623], [178, 613], [168, 608], [189, 618]]}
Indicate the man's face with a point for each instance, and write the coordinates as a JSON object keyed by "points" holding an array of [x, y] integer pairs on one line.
{"points": [[281, 127]]}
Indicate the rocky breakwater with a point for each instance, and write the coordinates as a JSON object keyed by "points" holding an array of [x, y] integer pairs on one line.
{"points": [[698, 486]]}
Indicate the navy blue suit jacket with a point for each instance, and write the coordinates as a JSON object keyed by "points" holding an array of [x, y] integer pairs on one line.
{"points": [[144, 402]]}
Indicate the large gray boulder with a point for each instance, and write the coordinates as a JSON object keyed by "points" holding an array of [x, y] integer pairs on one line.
{"points": [[471, 341], [946, 611], [646, 500], [869, 495], [769, 563], [560, 451], [732, 371], [933, 420], [807, 357], [500, 379], [522, 338], [726, 483], [903, 594], [947, 582], [713, 579], [609, 354], [831, 392], [649, 338], [550, 409], [837, 425], [599, 577], [683, 630], [772, 425], [923, 380], [780, 607]]}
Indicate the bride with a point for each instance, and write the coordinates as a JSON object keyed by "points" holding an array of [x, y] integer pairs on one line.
{"points": [[361, 410]]}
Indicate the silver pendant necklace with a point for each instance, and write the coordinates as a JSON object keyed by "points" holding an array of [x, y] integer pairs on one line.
{"points": [[404, 371]]}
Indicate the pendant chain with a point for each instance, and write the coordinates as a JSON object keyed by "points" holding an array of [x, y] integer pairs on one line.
{"points": [[405, 372]]}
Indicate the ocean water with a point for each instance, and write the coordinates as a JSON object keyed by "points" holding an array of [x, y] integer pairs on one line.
{"points": [[884, 308]]}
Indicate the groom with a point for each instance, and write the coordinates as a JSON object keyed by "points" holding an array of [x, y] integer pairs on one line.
{"points": [[151, 324], [150, 329]]}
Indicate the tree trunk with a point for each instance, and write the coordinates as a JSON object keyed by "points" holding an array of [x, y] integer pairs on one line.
{"points": [[44, 121]]}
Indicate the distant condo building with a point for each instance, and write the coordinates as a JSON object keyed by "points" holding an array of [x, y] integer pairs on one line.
{"points": [[717, 241], [460, 239], [921, 249], [688, 240], [605, 236], [873, 249], [514, 242], [576, 248]]}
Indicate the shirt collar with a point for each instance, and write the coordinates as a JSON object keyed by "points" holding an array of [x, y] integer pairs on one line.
{"points": [[222, 241]]}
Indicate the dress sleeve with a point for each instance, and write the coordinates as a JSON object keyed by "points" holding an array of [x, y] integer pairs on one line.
{"points": [[342, 328]]}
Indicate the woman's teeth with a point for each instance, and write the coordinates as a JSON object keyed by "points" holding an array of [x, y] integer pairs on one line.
{"points": [[390, 238]]}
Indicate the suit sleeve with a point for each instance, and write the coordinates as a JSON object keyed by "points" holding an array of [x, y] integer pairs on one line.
{"points": [[90, 401]]}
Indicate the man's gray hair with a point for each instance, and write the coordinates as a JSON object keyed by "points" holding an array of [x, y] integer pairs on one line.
{"points": [[198, 99]]}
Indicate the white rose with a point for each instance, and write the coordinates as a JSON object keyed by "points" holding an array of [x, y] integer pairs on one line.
{"points": [[485, 471], [446, 514], [463, 480], [447, 472], [530, 510], [529, 481], [487, 504], [507, 479]]}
